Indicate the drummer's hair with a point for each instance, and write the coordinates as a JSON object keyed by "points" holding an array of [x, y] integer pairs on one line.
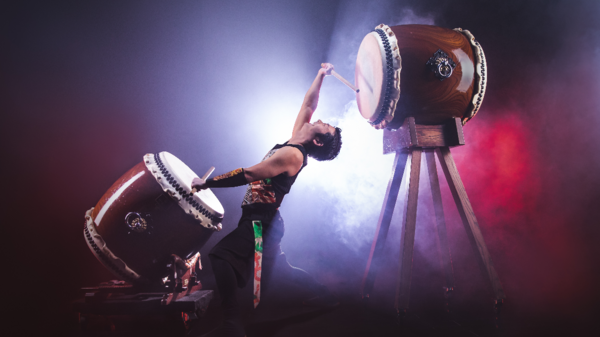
{"points": [[332, 143]]}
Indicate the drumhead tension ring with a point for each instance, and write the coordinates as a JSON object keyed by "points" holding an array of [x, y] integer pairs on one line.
{"points": [[390, 77], [184, 196]]}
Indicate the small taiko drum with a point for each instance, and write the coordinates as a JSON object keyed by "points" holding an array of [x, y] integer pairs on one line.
{"points": [[426, 72], [148, 215]]}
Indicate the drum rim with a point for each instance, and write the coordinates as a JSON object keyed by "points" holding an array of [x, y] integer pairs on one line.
{"points": [[101, 251], [480, 82], [191, 203]]}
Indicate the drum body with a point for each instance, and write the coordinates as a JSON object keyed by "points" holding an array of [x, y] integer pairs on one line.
{"points": [[149, 214], [426, 72]]}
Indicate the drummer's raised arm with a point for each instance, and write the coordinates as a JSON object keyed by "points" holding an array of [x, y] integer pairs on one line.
{"points": [[311, 99]]}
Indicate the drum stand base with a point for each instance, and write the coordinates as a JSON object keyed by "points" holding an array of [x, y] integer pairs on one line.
{"points": [[170, 308], [408, 143]]}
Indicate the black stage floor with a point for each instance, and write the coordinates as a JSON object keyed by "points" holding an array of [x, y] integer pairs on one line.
{"points": [[282, 314], [353, 318]]}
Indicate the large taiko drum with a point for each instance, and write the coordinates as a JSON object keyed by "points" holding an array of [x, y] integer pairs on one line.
{"points": [[148, 215], [426, 72]]}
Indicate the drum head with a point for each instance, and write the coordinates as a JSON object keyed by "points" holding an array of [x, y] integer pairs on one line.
{"points": [[183, 175], [369, 76], [377, 75]]}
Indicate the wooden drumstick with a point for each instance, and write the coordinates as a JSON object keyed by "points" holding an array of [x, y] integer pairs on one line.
{"points": [[339, 77], [205, 176], [208, 173]]}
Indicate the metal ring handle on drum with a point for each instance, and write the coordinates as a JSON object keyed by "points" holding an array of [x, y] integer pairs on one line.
{"points": [[444, 69], [441, 64], [137, 223]]}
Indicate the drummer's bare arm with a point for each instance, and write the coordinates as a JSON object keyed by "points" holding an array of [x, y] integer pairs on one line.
{"points": [[287, 159], [311, 99]]}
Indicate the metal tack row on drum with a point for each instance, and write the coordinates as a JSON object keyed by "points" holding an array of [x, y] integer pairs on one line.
{"points": [[430, 73], [148, 215]]}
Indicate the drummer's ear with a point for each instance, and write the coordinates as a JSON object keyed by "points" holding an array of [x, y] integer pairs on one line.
{"points": [[317, 141]]}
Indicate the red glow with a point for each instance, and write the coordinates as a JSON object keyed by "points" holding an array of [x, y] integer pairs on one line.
{"points": [[499, 169], [514, 196]]}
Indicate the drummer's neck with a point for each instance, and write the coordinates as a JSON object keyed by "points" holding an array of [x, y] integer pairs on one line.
{"points": [[304, 136], [301, 139]]}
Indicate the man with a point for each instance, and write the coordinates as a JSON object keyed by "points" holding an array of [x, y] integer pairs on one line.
{"points": [[256, 240]]}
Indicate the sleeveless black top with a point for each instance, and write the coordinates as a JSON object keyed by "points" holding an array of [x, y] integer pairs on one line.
{"points": [[267, 194]]}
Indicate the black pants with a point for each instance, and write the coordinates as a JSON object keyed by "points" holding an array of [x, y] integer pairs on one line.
{"points": [[237, 248], [232, 261]]}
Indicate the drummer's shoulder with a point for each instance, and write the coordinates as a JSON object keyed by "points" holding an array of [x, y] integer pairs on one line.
{"points": [[291, 152]]}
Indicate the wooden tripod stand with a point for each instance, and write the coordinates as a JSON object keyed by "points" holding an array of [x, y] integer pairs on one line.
{"points": [[409, 142]]}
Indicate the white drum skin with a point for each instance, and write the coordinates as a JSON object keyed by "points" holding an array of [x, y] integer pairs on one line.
{"points": [[369, 76], [175, 178], [378, 66]]}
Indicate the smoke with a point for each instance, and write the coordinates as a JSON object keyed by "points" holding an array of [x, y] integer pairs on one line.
{"points": [[356, 181], [408, 17]]}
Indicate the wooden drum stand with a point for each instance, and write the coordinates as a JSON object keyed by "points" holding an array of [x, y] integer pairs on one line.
{"points": [[409, 142]]}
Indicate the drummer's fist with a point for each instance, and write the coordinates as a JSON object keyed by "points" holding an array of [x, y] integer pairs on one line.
{"points": [[198, 184], [326, 68]]}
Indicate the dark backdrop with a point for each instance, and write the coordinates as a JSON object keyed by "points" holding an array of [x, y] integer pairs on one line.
{"points": [[89, 87]]}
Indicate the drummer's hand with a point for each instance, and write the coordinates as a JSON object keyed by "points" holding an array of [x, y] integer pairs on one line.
{"points": [[198, 184], [326, 68]]}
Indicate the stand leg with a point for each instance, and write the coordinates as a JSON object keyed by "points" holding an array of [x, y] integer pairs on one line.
{"points": [[408, 233], [469, 220], [383, 225], [440, 221]]}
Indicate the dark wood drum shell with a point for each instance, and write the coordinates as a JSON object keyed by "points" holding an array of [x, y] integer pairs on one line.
{"points": [[169, 229], [423, 96]]}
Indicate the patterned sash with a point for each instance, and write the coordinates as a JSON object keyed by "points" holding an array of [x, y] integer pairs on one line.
{"points": [[258, 250]]}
